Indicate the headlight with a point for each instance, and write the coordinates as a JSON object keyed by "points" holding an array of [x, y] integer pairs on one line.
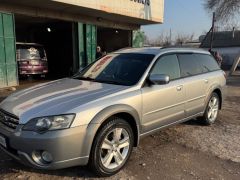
{"points": [[49, 123]]}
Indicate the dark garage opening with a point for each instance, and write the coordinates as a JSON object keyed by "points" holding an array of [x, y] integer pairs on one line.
{"points": [[56, 37], [60, 41], [113, 39]]}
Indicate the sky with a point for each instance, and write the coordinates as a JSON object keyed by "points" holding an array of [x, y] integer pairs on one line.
{"points": [[182, 17]]}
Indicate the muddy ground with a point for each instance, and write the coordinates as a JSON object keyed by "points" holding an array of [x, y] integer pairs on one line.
{"points": [[185, 151]]}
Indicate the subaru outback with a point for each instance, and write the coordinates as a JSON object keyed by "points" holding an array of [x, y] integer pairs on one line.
{"points": [[97, 116]]}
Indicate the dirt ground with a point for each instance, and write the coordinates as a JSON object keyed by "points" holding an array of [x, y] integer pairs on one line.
{"points": [[185, 151]]}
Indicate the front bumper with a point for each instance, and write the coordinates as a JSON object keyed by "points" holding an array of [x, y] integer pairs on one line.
{"points": [[69, 147]]}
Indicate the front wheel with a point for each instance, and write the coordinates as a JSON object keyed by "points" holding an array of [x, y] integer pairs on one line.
{"points": [[212, 110], [112, 147]]}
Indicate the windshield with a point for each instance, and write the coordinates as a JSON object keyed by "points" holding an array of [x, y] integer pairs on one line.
{"points": [[30, 52], [120, 69]]}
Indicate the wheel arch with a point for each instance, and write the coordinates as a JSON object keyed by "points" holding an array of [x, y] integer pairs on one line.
{"points": [[218, 91], [125, 112]]}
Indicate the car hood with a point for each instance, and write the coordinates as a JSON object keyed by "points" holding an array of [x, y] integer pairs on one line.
{"points": [[56, 97]]}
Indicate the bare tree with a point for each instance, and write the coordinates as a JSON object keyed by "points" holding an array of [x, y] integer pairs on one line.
{"points": [[146, 40], [183, 38], [225, 9], [228, 26], [167, 41], [162, 40]]}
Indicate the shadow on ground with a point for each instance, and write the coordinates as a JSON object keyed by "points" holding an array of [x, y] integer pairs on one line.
{"points": [[10, 166]]}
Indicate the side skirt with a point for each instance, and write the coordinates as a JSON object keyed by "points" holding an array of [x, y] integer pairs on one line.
{"points": [[171, 124]]}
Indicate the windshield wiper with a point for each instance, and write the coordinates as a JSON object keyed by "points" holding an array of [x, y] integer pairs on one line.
{"points": [[100, 81], [110, 82]]}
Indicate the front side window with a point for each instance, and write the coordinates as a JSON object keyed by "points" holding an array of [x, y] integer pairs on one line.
{"points": [[121, 69], [167, 65], [189, 65]]}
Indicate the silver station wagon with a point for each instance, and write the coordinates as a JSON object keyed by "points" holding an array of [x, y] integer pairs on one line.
{"points": [[96, 117]]}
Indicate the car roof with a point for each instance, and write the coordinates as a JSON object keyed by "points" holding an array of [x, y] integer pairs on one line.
{"points": [[161, 50], [145, 50]]}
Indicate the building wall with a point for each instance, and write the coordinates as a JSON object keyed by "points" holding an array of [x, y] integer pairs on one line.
{"points": [[152, 10], [117, 14], [121, 14]]}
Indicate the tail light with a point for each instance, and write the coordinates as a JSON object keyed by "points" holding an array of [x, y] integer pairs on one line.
{"points": [[24, 62]]}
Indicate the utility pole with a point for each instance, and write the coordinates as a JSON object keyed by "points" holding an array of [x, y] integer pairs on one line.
{"points": [[233, 33], [170, 36], [235, 65], [213, 30]]}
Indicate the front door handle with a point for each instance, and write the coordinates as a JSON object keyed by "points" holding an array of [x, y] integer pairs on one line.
{"points": [[179, 88]]}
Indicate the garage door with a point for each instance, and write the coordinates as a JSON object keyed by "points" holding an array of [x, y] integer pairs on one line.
{"points": [[8, 65]]}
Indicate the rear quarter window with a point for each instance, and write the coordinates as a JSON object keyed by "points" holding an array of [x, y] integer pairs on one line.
{"points": [[207, 62]]}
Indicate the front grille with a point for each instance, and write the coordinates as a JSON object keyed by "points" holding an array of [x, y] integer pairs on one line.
{"points": [[8, 119]]}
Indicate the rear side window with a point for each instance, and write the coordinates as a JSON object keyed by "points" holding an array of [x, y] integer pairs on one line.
{"points": [[189, 65], [207, 62], [167, 65]]}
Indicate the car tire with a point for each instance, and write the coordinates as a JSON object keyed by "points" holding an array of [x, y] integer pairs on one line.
{"points": [[111, 148], [212, 110]]}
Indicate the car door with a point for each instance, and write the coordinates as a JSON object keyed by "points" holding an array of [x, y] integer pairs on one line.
{"points": [[163, 104], [195, 83]]}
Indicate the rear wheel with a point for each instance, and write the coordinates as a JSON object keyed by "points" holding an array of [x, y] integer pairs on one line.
{"points": [[212, 110], [112, 147]]}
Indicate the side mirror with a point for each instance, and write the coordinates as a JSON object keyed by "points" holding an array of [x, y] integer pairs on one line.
{"points": [[159, 79]]}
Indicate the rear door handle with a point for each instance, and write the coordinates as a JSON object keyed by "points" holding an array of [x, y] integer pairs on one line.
{"points": [[206, 81], [179, 88]]}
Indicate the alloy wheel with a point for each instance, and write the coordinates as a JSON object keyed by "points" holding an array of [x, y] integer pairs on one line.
{"points": [[115, 148], [213, 107]]}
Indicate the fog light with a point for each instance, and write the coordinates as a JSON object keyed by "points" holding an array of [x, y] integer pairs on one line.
{"points": [[47, 157]]}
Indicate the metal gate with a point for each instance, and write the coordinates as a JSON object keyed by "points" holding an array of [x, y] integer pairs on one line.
{"points": [[87, 42], [8, 64], [91, 41]]}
